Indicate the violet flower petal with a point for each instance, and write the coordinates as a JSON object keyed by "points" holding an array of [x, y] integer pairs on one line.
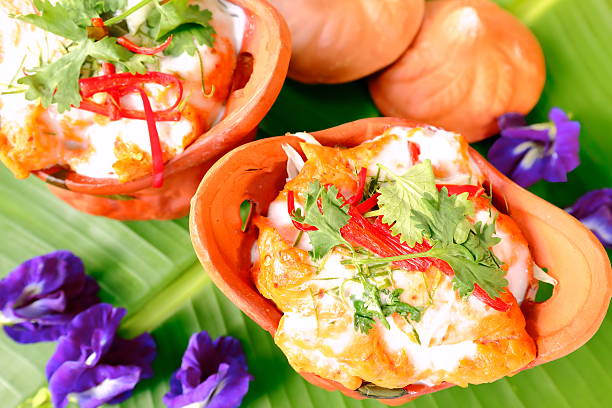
{"points": [[212, 374], [39, 298], [94, 365], [594, 210], [528, 154]]}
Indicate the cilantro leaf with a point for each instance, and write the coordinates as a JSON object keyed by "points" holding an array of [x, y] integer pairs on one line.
{"points": [[444, 219], [57, 19], [364, 318], [378, 304], [479, 242], [400, 198], [188, 23], [329, 220], [58, 82], [392, 304], [186, 37], [69, 18], [469, 272]]}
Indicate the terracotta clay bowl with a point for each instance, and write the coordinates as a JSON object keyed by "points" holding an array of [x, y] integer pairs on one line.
{"points": [[260, 72], [559, 242]]}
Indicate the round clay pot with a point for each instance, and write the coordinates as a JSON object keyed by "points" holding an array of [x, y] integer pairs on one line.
{"points": [[343, 40], [258, 78], [558, 242], [470, 63]]}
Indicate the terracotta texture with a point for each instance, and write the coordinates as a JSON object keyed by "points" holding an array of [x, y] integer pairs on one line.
{"points": [[344, 40], [471, 62], [257, 172], [260, 73]]}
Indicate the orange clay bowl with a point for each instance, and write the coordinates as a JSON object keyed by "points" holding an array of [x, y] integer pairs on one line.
{"points": [[559, 242], [259, 75]]}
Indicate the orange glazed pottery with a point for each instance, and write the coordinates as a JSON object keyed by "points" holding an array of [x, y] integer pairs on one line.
{"points": [[558, 242], [259, 75], [343, 40], [470, 63]]}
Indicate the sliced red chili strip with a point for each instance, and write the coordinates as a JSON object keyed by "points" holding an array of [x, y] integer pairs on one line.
{"points": [[126, 80], [473, 191], [97, 22], [156, 150], [291, 210], [415, 152], [108, 68], [118, 85], [378, 239], [125, 42], [368, 204], [484, 297], [363, 174]]}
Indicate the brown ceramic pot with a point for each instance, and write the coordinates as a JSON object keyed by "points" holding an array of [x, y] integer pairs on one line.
{"points": [[559, 242], [260, 73]]}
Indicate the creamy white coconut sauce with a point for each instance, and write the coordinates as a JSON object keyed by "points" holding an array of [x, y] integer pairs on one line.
{"points": [[98, 139]]}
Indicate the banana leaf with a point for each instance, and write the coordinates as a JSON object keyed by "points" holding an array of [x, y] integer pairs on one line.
{"points": [[151, 269]]}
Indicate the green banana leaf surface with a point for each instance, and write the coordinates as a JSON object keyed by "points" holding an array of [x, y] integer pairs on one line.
{"points": [[151, 269]]}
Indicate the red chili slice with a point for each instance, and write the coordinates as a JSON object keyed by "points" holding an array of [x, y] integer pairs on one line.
{"points": [[378, 239], [415, 151], [125, 42], [363, 174], [368, 204], [156, 150], [118, 85], [291, 210], [484, 297]]}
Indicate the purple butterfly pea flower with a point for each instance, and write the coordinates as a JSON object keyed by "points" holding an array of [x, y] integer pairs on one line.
{"points": [[594, 210], [39, 298], [528, 154], [213, 374], [94, 366]]}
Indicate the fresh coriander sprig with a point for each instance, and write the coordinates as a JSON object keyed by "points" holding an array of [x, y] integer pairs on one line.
{"points": [[328, 220], [401, 196]]}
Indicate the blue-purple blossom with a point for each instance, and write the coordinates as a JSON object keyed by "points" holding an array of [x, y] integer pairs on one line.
{"points": [[93, 366], [213, 374], [594, 210], [528, 154], [39, 298]]}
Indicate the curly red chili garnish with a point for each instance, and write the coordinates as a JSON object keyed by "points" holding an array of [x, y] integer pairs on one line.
{"points": [[125, 42], [156, 150], [119, 85], [291, 210]]}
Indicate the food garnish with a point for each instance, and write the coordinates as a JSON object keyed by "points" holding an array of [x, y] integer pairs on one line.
{"points": [[176, 24], [415, 225], [531, 153]]}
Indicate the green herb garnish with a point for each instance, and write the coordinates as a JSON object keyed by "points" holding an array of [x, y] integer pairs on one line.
{"points": [[329, 219], [57, 82], [188, 24], [399, 198]]}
